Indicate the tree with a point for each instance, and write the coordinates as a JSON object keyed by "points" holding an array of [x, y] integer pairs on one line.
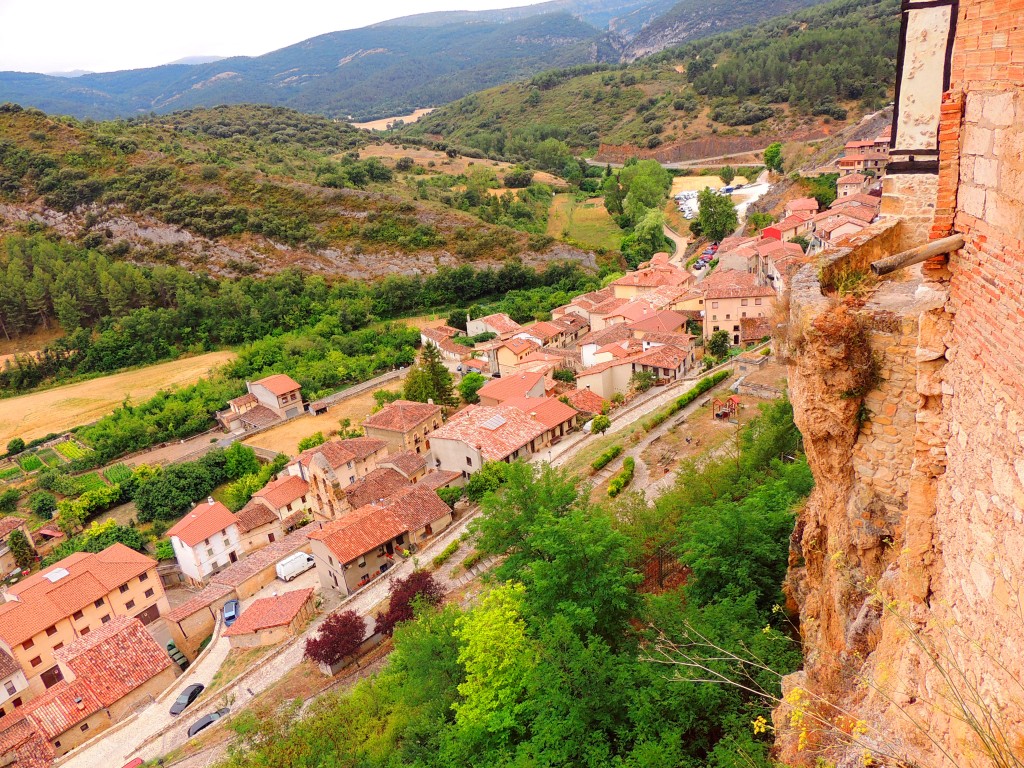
{"points": [[42, 504], [470, 385], [518, 177], [759, 221], [646, 239], [312, 441], [24, 555], [567, 375], [419, 588], [339, 636], [238, 493], [70, 517], [490, 477], [600, 424], [429, 379], [239, 460], [716, 215], [718, 344], [15, 446], [641, 381], [9, 501], [773, 157], [457, 319], [802, 241], [727, 174]]}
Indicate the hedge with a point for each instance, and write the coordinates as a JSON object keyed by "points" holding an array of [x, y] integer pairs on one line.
{"points": [[678, 404], [623, 478], [605, 458], [446, 554]]}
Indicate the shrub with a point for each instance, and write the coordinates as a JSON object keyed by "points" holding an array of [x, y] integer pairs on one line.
{"points": [[472, 559], [446, 554], [9, 500], [15, 446], [600, 424], [317, 438], [606, 458], [418, 588], [42, 504], [164, 550], [30, 463], [451, 496], [339, 636], [564, 374], [623, 478]]}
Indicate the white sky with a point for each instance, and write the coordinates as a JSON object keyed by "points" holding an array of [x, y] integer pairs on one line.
{"points": [[107, 35]]}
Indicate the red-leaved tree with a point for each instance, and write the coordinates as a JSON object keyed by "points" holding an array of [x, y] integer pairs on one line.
{"points": [[339, 636], [419, 584]]}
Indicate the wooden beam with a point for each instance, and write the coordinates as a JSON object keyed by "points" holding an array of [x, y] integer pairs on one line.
{"points": [[917, 255]]}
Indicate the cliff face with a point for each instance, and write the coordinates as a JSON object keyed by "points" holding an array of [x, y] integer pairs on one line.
{"points": [[908, 561]]}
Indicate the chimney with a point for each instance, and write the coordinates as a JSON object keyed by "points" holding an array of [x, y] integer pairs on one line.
{"points": [[79, 703], [430, 401], [209, 499]]}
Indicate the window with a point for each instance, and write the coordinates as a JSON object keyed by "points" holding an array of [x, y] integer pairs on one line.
{"points": [[149, 593], [209, 553], [744, 314], [28, 644], [85, 631], [84, 728], [51, 631], [17, 703], [330, 560], [143, 577], [744, 302], [271, 538], [99, 603], [728, 317], [58, 646], [129, 605], [735, 327], [714, 305], [77, 615], [716, 327], [757, 302], [469, 461], [123, 588], [351, 478], [105, 619], [36, 661], [10, 688]]}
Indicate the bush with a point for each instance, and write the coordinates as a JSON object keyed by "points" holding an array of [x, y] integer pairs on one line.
{"points": [[42, 504], [9, 500], [30, 463], [317, 438], [15, 446], [491, 477], [446, 554], [600, 424], [419, 588], [164, 550], [623, 478], [451, 496], [338, 637], [606, 458], [564, 374]]}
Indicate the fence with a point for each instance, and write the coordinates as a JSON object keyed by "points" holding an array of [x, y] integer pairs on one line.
{"points": [[662, 570]]}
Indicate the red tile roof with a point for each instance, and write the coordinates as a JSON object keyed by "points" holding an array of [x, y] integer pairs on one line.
{"points": [[406, 462], [545, 329], [732, 284], [283, 491], [246, 399], [42, 603], [447, 330], [203, 599], [496, 432], [270, 612], [254, 562], [607, 307], [500, 322], [654, 277], [115, 659], [438, 478], [634, 310], [802, 204], [853, 178], [8, 524], [478, 365], [205, 519], [664, 321], [755, 328], [549, 411], [378, 485], [255, 515], [402, 416], [860, 197], [443, 342], [663, 356], [337, 453], [259, 416], [58, 709], [607, 335], [518, 346], [585, 400], [516, 385], [279, 383]]}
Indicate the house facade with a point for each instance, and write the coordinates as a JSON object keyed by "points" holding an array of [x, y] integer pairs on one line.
{"points": [[731, 296], [480, 433], [206, 540], [332, 467]]}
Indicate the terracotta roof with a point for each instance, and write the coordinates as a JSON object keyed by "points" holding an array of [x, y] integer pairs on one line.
{"points": [[115, 658], [608, 306], [802, 204], [607, 335], [852, 178], [447, 330], [496, 432], [664, 321], [283, 491], [255, 515], [438, 478], [337, 453], [585, 400], [620, 349], [664, 356], [373, 525], [279, 383], [379, 484], [203, 599], [205, 519], [245, 399], [863, 144], [269, 612], [755, 328], [549, 411], [58, 709], [406, 462], [519, 345], [476, 364], [602, 367], [654, 277], [545, 329], [851, 159], [259, 416], [517, 385], [573, 322], [500, 322], [679, 340], [8, 524], [8, 666], [254, 562], [732, 284], [442, 341], [831, 223], [791, 222], [42, 603], [735, 241], [633, 310], [860, 197], [402, 416]]}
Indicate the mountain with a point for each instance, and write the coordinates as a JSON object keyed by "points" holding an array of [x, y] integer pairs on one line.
{"points": [[197, 60]]}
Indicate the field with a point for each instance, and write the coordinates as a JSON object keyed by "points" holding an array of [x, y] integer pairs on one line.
{"points": [[50, 458], [587, 223], [90, 481], [10, 473], [69, 449], [285, 438], [697, 183], [382, 124], [117, 473], [30, 463], [61, 408]]}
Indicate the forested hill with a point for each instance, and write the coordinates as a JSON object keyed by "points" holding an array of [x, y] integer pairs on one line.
{"points": [[248, 190], [795, 76]]}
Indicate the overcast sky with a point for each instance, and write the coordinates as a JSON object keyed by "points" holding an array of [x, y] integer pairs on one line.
{"points": [[107, 35]]}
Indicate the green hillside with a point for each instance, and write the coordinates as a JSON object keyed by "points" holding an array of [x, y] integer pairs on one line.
{"points": [[799, 73]]}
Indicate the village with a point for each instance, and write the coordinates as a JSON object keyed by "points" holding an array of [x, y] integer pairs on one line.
{"points": [[98, 641]]}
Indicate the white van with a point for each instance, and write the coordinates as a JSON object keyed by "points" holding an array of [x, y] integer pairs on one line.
{"points": [[293, 565]]}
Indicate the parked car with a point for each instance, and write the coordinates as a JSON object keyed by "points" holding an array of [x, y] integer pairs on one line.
{"points": [[186, 697], [231, 611], [207, 720], [293, 565]]}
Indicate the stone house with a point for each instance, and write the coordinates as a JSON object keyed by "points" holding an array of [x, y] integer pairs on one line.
{"points": [[731, 296], [332, 467], [404, 425], [500, 324], [272, 620], [265, 402], [481, 433]]}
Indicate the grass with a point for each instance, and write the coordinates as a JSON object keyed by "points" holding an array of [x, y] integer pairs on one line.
{"points": [[50, 458], [30, 463], [90, 481], [587, 223], [118, 473], [10, 473], [70, 450]]}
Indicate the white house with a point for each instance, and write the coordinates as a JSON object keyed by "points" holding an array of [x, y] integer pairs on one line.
{"points": [[206, 540]]}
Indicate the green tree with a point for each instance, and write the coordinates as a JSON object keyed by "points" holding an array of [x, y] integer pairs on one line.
{"points": [[384, 396], [759, 221], [727, 174], [491, 476], [802, 241], [238, 493], [641, 381], [240, 460], [718, 344], [600, 424], [42, 504], [716, 215], [24, 555], [9, 501], [773, 157], [646, 239], [429, 379], [469, 386], [312, 441], [15, 446]]}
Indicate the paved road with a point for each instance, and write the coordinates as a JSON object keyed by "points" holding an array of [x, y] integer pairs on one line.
{"points": [[680, 242]]}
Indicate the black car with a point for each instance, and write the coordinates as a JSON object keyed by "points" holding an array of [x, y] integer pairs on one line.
{"points": [[187, 697], [207, 721]]}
